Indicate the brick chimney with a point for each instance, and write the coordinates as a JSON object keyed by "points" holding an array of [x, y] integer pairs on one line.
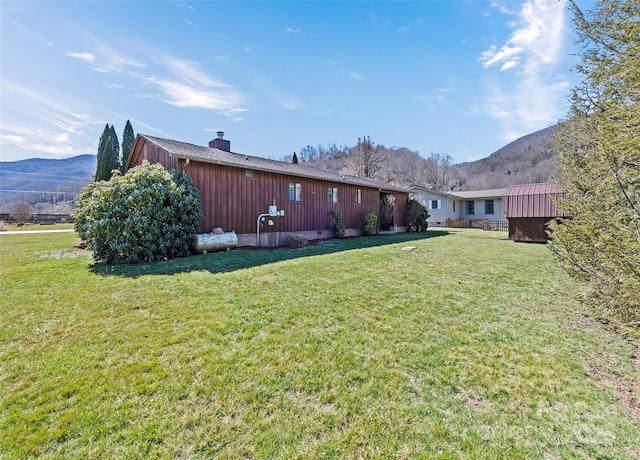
{"points": [[220, 143]]}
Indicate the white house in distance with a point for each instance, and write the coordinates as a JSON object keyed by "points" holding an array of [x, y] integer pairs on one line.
{"points": [[463, 208]]}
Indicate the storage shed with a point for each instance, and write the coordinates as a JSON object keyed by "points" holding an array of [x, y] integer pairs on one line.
{"points": [[530, 207]]}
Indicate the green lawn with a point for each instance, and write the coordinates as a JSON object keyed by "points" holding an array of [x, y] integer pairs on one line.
{"points": [[469, 346], [35, 227]]}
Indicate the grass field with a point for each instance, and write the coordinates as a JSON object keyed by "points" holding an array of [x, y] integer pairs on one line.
{"points": [[468, 346], [35, 227]]}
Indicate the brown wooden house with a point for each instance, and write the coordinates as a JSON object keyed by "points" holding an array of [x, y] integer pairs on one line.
{"points": [[236, 188], [529, 209]]}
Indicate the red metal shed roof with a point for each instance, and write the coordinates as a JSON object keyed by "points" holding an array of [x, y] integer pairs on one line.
{"points": [[533, 200]]}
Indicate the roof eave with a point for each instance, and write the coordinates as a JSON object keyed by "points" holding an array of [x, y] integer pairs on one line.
{"points": [[286, 173]]}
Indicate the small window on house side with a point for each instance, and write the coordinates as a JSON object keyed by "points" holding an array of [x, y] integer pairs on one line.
{"points": [[295, 191], [488, 206], [434, 204], [358, 196], [332, 194], [249, 173], [470, 207], [454, 206]]}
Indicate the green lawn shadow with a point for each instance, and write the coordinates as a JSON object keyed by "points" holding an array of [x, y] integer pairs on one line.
{"points": [[238, 259]]}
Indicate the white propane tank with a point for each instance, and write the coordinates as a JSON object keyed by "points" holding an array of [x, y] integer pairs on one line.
{"points": [[206, 242]]}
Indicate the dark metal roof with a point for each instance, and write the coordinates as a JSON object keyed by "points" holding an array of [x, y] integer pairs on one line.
{"points": [[545, 188], [533, 200], [200, 153]]}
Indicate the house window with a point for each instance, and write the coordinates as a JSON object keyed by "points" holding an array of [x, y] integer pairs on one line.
{"points": [[332, 194], [435, 204], [295, 191], [454, 206], [470, 207], [488, 206], [249, 173], [358, 196]]}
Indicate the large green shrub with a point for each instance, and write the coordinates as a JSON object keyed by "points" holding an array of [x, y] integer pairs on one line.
{"points": [[417, 216], [148, 214], [370, 226]]}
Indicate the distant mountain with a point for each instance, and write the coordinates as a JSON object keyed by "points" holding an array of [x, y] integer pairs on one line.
{"points": [[529, 159], [49, 186]]}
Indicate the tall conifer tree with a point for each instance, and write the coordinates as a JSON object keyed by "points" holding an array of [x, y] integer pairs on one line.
{"points": [[599, 161], [115, 152], [102, 164], [128, 138]]}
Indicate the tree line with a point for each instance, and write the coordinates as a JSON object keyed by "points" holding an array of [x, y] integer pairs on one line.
{"points": [[108, 157], [396, 165]]}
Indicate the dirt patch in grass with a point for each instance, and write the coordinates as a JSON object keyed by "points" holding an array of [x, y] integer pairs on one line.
{"points": [[67, 253], [625, 388]]}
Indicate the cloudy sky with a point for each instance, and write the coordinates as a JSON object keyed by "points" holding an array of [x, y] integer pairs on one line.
{"points": [[457, 77]]}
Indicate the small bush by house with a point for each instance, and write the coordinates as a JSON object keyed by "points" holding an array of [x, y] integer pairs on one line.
{"points": [[296, 241], [338, 225], [370, 226]]}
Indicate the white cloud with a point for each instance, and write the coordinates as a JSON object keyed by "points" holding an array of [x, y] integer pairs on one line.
{"points": [[56, 123], [185, 6], [86, 56], [191, 87], [502, 7], [537, 36], [188, 71], [530, 94], [292, 30], [183, 95], [111, 60], [509, 64]]}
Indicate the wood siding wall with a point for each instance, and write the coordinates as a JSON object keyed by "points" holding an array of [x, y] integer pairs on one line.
{"points": [[531, 229], [233, 201], [153, 154]]}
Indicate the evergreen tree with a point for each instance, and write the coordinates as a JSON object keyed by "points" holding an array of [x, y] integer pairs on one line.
{"points": [[115, 152], [599, 162], [102, 166], [128, 139], [294, 158]]}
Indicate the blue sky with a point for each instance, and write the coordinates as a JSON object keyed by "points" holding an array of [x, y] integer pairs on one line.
{"points": [[457, 77]]}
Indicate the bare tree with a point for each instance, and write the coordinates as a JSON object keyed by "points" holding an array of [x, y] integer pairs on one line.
{"points": [[438, 170], [21, 212], [365, 158]]}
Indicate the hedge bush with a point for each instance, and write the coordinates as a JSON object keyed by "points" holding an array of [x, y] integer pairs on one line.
{"points": [[417, 216], [149, 214]]}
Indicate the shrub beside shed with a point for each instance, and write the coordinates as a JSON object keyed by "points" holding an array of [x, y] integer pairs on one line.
{"points": [[530, 207]]}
